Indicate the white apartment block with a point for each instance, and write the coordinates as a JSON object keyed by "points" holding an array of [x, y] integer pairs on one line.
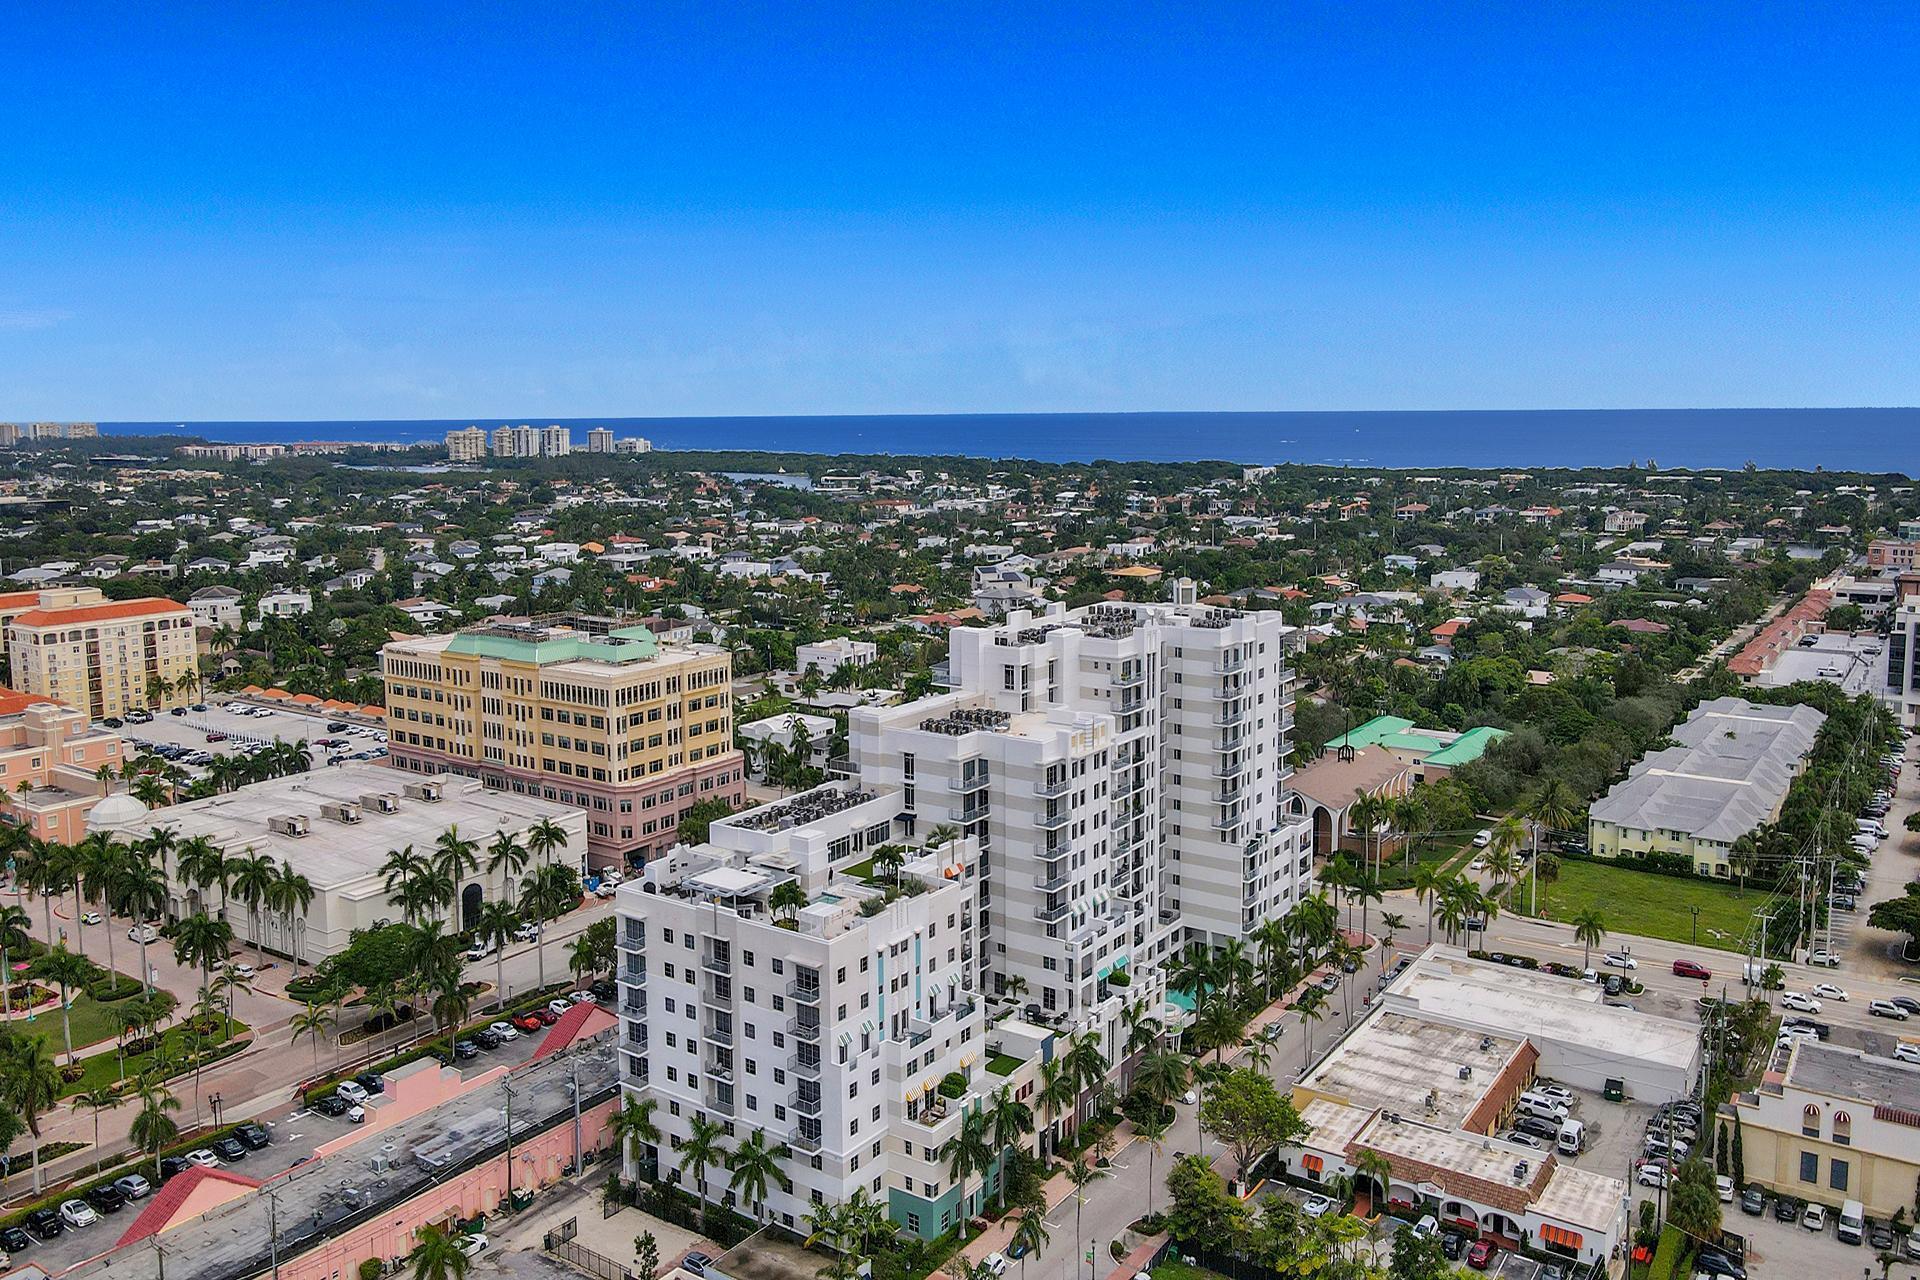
{"points": [[600, 440], [467, 445], [828, 656], [633, 444], [828, 1026], [1902, 691], [556, 442]]}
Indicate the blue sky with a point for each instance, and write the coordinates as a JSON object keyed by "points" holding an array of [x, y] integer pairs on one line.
{"points": [[346, 211]]}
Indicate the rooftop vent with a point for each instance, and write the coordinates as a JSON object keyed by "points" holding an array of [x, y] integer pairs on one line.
{"points": [[381, 802], [431, 792], [290, 824]]}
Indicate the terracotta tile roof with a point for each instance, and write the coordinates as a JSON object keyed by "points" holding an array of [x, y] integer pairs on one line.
{"points": [[112, 612], [574, 1024], [158, 1215], [12, 701]]}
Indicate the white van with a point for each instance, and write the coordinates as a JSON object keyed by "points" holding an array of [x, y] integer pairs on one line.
{"points": [[1573, 1138], [1852, 1222], [1872, 826]]}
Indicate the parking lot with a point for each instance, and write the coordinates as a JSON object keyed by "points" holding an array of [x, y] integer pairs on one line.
{"points": [[241, 731]]}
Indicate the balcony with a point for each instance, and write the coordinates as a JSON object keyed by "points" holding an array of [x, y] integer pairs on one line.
{"points": [[1232, 716], [1229, 664], [804, 1068], [1127, 679], [806, 1106], [1055, 884], [1228, 821], [933, 1115], [634, 975], [1231, 767], [972, 813], [804, 992], [805, 1139], [717, 964], [807, 1029], [969, 782], [719, 1036], [1050, 915], [635, 1006], [1053, 821], [1055, 853], [721, 1102], [1052, 790]]}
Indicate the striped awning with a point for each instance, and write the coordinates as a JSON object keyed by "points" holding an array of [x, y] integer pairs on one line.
{"points": [[1312, 1162], [1561, 1236]]}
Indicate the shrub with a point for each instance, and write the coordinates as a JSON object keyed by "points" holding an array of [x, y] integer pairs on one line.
{"points": [[953, 1085], [113, 987], [370, 1269]]}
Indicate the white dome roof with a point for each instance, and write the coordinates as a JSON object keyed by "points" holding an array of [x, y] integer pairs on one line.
{"points": [[117, 810]]}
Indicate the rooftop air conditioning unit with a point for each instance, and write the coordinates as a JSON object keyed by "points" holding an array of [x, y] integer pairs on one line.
{"points": [[431, 792], [1466, 1073], [292, 824], [345, 812], [382, 802]]}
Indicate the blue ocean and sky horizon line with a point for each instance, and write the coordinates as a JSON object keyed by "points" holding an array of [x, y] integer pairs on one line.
{"points": [[1834, 439]]}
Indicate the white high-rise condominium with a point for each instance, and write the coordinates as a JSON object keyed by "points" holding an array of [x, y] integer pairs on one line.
{"points": [[555, 442], [780, 981], [600, 440], [467, 445]]}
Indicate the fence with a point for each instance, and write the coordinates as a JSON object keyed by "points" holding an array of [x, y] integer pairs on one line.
{"points": [[581, 1258]]}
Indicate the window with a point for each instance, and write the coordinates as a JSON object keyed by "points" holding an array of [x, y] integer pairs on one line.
{"points": [[1810, 1121], [1837, 1174], [1809, 1167]]}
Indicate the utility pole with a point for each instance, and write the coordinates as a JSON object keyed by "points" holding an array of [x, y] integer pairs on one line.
{"points": [[508, 1088], [273, 1230]]}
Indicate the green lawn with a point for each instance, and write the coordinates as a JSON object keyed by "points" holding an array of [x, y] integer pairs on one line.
{"points": [[1649, 905], [105, 1068]]}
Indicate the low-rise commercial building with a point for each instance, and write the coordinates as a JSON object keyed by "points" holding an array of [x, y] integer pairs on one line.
{"points": [[1834, 1124], [1431, 753], [50, 759], [336, 826], [1728, 775]]}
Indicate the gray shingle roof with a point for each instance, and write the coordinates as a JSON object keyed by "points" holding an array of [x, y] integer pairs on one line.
{"points": [[1732, 768]]}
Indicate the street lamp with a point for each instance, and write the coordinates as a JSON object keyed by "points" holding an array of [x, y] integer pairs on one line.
{"points": [[1696, 925]]}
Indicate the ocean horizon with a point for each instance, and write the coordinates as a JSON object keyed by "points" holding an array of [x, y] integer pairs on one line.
{"points": [[1862, 439]]}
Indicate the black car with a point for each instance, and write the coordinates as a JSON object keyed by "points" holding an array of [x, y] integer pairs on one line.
{"points": [[1905, 1002], [1712, 1262], [1453, 1245], [255, 1136], [601, 989], [331, 1105], [1786, 1209], [371, 1081], [1536, 1127], [107, 1198], [14, 1240], [230, 1149], [486, 1038], [1753, 1202], [45, 1223], [170, 1165], [465, 1050], [1879, 1235]]}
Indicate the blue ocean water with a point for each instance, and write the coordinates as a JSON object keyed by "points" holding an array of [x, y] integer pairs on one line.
{"points": [[1878, 440]]}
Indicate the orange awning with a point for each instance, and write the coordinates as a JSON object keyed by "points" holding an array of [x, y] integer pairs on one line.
{"points": [[1312, 1162], [1561, 1236]]}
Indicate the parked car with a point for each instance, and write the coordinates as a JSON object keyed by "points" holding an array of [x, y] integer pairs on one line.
{"points": [[1799, 1000], [132, 1186], [558, 1007], [1723, 1187], [14, 1240], [171, 1166], [230, 1149], [696, 1263], [45, 1223], [465, 1050], [1452, 1245], [547, 1016], [1786, 1209], [1520, 1139], [1651, 1174], [1815, 1218], [1317, 1206], [1887, 1009], [1720, 1265], [528, 1022], [1480, 1257], [1621, 960], [485, 1038], [371, 1081], [204, 1157], [1482, 838], [1753, 1202], [78, 1213], [473, 1244], [331, 1105], [107, 1198], [351, 1090], [1824, 958], [505, 1030]]}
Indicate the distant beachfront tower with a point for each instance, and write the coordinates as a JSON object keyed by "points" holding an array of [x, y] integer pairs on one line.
{"points": [[469, 445], [556, 442], [600, 440], [633, 444]]}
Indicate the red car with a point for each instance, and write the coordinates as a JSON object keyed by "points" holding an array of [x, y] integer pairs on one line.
{"points": [[1480, 1257], [544, 1016], [527, 1022], [214, 735], [1691, 969]]}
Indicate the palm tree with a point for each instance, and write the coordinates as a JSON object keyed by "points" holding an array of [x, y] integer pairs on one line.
{"points": [[399, 873], [1153, 1132], [153, 1129], [968, 1153], [1011, 1121], [253, 879], [1163, 1075], [313, 1022], [1365, 815], [98, 1099], [1082, 1175], [151, 790], [495, 928], [1554, 807], [1056, 1093], [289, 893], [202, 941], [202, 864], [1375, 1168], [1589, 929], [438, 1256], [67, 970], [1087, 1065], [141, 889], [1274, 939], [47, 868], [752, 1166], [15, 937], [1391, 924], [507, 859], [1741, 856], [1312, 1007], [1030, 1236], [450, 1004], [454, 859], [702, 1150], [30, 1084], [632, 1127], [1363, 890], [787, 900]]}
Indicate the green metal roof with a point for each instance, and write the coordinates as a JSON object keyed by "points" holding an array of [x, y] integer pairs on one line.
{"points": [[1395, 733], [627, 644]]}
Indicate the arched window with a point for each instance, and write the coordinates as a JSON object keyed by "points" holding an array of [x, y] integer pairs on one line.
{"points": [[1843, 1128], [1810, 1121]]}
